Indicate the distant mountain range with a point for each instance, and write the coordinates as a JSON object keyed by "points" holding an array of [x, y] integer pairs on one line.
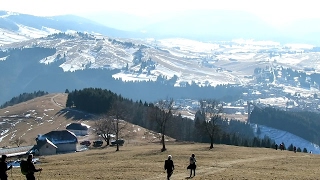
{"points": [[212, 25], [202, 25], [25, 27], [54, 53]]}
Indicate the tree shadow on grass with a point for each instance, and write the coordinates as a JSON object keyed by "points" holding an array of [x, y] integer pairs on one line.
{"points": [[74, 114]]}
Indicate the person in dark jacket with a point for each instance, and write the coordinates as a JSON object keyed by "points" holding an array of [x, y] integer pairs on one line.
{"points": [[31, 168], [4, 168], [192, 166], [169, 166]]}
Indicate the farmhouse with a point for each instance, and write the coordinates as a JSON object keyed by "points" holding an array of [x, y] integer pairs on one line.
{"points": [[55, 142], [45, 147], [78, 129]]}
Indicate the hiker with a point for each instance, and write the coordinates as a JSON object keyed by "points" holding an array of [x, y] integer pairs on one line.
{"points": [[294, 149], [276, 146], [4, 168], [192, 166], [281, 147], [31, 168], [169, 166]]}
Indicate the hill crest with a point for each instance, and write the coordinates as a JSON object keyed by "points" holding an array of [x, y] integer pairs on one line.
{"points": [[47, 113]]}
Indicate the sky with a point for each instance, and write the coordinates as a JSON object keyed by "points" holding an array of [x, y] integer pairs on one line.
{"points": [[273, 11]]}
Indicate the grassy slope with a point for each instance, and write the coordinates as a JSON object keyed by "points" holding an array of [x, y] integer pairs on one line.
{"points": [[146, 162], [46, 107], [51, 108]]}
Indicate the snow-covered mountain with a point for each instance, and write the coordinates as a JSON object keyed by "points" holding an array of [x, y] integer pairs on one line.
{"points": [[204, 63], [81, 44], [16, 27], [78, 44]]}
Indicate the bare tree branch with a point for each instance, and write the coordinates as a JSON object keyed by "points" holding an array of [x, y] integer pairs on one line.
{"points": [[104, 127], [161, 114], [18, 141], [118, 111], [211, 111]]}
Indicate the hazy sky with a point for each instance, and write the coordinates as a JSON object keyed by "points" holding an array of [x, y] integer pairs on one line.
{"points": [[273, 11]]}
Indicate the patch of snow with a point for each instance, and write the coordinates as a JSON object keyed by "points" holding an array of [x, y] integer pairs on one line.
{"points": [[3, 58], [299, 46], [257, 43], [277, 101], [287, 138], [4, 134], [189, 45]]}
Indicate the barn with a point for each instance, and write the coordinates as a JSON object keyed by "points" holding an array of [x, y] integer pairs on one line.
{"points": [[55, 142], [79, 129], [45, 147]]}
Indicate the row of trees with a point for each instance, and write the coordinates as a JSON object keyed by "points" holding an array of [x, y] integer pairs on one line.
{"points": [[23, 98], [163, 117]]}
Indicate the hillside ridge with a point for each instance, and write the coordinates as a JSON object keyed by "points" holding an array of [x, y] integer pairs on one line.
{"points": [[47, 113]]}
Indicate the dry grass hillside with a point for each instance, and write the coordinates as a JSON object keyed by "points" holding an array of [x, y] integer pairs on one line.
{"points": [[44, 114], [146, 162]]}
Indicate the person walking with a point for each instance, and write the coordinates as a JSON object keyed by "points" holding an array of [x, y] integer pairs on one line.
{"points": [[169, 166], [31, 168], [192, 166], [4, 168]]}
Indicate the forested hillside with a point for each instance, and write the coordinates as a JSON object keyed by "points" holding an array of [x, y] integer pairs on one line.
{"points": [[304, 124], [23, 97], [99, 101], [21, 71]]}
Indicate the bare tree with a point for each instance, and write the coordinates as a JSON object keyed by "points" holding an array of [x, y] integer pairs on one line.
{"points": [[118, 111], [211, 111], [162, 113], [104, 127], [18, 141]]}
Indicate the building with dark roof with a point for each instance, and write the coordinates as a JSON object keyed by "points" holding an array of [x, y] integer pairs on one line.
{"points": [[78, 129], [45, 147], [55, 142]]}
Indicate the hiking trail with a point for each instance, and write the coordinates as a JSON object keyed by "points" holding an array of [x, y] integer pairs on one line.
{"points": [[214, 168]]}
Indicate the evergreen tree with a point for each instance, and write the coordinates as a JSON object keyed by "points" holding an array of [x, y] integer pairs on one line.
{"points": [[305, 150]]}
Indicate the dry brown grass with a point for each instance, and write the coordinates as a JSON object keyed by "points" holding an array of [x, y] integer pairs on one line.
{"points": [[51, 108], [46, 107], [146, 162]]}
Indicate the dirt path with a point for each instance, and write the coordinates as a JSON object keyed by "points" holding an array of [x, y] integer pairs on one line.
{"points": [[215, 167], [54, 102]]}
